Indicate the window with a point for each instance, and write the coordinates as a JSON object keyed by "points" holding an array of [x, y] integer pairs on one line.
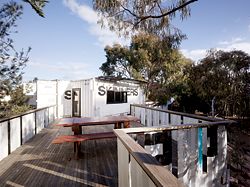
{"points": [[114, 97]]}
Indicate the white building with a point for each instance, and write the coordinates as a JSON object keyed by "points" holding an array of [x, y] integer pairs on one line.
{"points": [[99, 96]]}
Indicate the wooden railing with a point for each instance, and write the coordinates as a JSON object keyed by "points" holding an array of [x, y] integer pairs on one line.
{"points": [[18, 129], [192, 150]]}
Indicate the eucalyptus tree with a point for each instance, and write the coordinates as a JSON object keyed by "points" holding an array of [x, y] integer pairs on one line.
{"points": [[152, 16], [224, 77], [12, 61], [149, 58]]}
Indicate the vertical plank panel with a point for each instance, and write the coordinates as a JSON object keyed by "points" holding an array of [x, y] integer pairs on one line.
{"points": [[51, 114], [3, 140], [143, 116], [137, 112], [149, 118], [40, 120], [123, 165], [28, 127], [156, 118], [222, 154], [46, 118], [192, 152], [164, 118], [132, 110], [15, 133], [175, 119], [138, 176], [174, 153]]}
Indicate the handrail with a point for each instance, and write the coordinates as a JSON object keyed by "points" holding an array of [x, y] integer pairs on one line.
{"points": [[18, 129], [158, 174], [176, 127], [193, 144], [178, 113], [25, 113]]}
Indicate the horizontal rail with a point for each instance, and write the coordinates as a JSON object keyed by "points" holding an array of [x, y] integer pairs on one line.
{"points": [[24, 113], [178, 113], [174, 127], [18, 129]]}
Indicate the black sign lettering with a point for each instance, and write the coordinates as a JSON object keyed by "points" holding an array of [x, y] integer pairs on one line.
{"points": [[135, 92], [67, 94], [101, 90]]}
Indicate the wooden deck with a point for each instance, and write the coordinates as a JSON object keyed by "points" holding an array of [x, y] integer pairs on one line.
{"points": [[40, 163]]}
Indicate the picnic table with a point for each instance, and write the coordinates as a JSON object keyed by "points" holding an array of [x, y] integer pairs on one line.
{"points": [[77, 123]]}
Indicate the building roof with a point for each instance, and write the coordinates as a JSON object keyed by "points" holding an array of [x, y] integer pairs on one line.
{"points": [[116, 79]]}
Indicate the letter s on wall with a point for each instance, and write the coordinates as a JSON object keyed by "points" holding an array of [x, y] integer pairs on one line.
{"points": [[67, 94], [101, 90]]}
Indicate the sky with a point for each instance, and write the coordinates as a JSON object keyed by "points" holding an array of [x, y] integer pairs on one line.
{"points": [[68, 44]]}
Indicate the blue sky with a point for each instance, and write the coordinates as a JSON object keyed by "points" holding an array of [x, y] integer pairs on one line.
{"points": [[69, 45]]}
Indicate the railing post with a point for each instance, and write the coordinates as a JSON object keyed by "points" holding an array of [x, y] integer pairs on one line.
{"points": [[9, 138], [130, 109], [21, 130], [35, 115]]}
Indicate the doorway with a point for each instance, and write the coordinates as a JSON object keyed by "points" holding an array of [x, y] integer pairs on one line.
{"points": [[76, 102]]}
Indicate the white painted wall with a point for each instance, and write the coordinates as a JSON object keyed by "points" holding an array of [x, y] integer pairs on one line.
{"points": [[104, 109], [92, 102], [46, 93], [64, 105]]}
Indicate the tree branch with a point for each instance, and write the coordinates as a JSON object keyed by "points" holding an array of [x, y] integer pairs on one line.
{"points": [[163, 15], [133, 14]]}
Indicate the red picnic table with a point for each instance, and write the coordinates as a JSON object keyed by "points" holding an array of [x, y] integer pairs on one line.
{"points": [[77, 123]]}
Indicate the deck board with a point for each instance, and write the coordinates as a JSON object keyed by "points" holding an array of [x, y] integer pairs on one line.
{"points": [[40, 163]]}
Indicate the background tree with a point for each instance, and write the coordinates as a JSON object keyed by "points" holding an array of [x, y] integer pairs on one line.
{"points": [[225, 77], [12, 62], [153, 16], [152, 59], [118, 62]]}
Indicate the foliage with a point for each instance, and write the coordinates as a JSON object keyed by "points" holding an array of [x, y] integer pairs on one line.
{"points": [[11, 61], [16, 105], [152, 16], [224, 76], [118, 62], [37, 5], [152, 59]]}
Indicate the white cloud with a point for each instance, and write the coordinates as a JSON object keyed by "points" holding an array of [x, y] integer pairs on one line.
{"points": [[194, 54], [232, 41], [234, 44], [87, 14], [244, 46]]}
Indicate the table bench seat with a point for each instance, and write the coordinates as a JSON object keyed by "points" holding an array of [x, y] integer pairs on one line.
{"points": [[77, 139], [83, 137]]}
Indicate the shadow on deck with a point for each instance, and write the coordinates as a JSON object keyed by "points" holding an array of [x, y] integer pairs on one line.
{"points": [[40, 163]]}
